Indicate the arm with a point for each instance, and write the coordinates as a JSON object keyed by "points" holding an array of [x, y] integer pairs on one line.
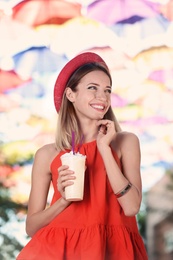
{"points": [[127, 146], [38, 215]]}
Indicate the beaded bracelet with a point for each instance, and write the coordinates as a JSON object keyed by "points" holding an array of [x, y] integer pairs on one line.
{"points": [[124, 191]]}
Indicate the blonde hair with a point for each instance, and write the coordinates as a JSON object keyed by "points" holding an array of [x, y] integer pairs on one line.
{"points": [[67, 119]]}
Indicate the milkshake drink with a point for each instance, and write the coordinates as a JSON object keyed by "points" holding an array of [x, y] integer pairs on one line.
{"points": [[76, 163]]}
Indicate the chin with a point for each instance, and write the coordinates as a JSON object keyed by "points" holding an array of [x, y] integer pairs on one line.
{"points": [[98, 117], [101, 116]]}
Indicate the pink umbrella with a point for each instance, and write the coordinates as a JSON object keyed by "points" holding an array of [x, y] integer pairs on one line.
{"points": [[7, 103], [39, 12], [162, 76], [149, 121], [113, 57], [117, 101], [9, 79], [16, 37], [113, 11], [167, 10]]}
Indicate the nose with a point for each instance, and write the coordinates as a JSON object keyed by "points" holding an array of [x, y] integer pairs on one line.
{"points": [[100, 94]]}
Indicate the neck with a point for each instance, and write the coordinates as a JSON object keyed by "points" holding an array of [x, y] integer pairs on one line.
{"points": [[89, 131]]}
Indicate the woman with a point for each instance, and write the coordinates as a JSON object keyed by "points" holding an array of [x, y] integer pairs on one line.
{"points": [[103, 225]]}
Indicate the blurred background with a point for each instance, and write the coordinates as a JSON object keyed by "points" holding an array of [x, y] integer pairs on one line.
{"points": [[135, 38]]}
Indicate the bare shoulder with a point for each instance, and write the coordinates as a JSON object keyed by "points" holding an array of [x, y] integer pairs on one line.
{"points": [[47, 148], [47, 152], [126, 137], [124, 140]]}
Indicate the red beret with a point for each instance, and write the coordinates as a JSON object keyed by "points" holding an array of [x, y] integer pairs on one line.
{"points": [[68, 70]]}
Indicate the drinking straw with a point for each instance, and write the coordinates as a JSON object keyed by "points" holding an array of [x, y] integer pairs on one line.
{"points": [[73, 142], [81, 142]]}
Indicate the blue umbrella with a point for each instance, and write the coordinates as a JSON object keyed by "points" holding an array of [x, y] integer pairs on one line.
{"points": [[39, 60], [29, 90], [143, 28]]}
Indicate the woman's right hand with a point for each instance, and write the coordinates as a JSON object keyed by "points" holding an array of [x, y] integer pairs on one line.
{"points": [[65, 178]]}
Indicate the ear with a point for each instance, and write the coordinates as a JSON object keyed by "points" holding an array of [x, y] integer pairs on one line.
{"points": [[70, 94]]}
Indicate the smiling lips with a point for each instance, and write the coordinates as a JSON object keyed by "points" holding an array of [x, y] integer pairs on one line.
{"points": [[98, 107]]}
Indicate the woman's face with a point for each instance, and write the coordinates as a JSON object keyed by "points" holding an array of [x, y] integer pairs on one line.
{"points": [[93, 96]]}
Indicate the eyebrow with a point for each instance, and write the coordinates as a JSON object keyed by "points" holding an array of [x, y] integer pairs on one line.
{"points": [[92, 83]]}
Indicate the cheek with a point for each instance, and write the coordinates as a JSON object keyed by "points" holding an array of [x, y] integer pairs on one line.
{"points": [[83, 99], [80, 102]]}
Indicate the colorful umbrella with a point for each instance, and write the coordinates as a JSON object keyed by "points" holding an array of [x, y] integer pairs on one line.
{"points": [[163, 76], [154, 58], [142, 29], [8, 102], [19, 152], [110, 11], [166, 9], [39, 12], [16, 37], [117, 101], [29, 90], [81, 34], [153, 120], [10, 79], [115, 58], [37, 59]]}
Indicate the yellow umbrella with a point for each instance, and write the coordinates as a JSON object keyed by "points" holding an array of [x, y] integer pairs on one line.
{"points": [[79, 34], [154, 58]]}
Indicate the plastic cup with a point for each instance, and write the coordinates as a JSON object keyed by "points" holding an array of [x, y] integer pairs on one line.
{"points": [[76, 163]]}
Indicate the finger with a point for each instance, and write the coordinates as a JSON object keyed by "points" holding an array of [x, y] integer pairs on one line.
{"points": [[63, 184], [103, 122], [62, 168], [102, 129], [66, 178], [65, 171], [66, 183]]}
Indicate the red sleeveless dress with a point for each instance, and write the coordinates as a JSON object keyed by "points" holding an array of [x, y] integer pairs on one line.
{"points": [[93, 229]]}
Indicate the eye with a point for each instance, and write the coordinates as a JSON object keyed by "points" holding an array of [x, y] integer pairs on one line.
{"points": [[108, 90], [92, 87]]}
